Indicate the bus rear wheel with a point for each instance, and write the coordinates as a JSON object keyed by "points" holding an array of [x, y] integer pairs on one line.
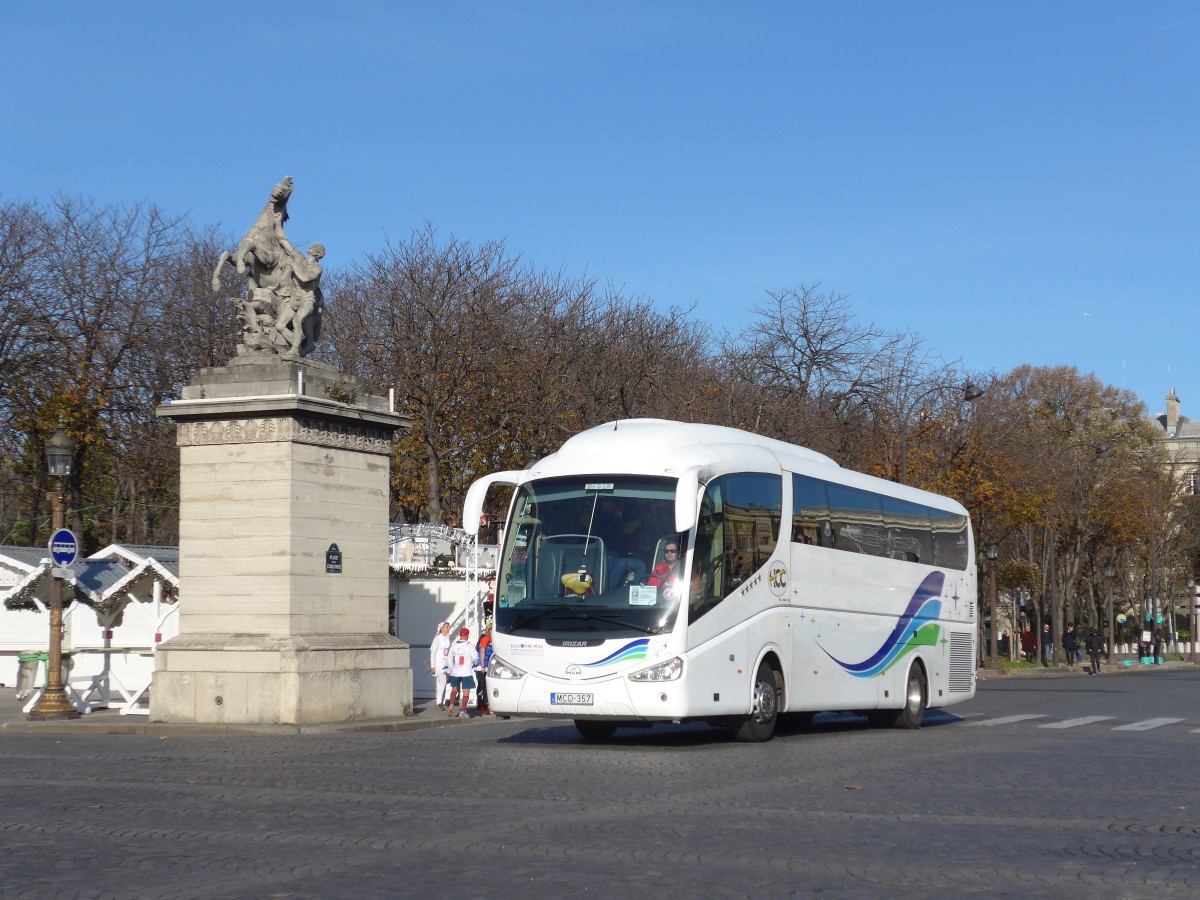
{"points": [[759, 726], [591, 730]]}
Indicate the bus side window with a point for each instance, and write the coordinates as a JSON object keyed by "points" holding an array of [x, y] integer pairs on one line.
{"points": [[858, 520], [810, 519], [908, 531], [949, 539]]}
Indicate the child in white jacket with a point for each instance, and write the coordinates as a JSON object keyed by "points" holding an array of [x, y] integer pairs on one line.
{"points": [[463, 660]]}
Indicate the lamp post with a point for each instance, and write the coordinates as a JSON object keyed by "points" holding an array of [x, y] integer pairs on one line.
{"points": [[1110, 572], [992, 550], [54, 703], [1193, 597]]}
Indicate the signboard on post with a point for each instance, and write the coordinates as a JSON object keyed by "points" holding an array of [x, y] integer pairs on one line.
{"points": [[63, 546]]}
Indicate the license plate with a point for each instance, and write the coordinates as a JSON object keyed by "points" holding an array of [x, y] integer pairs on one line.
{"points": [[570, 699]]}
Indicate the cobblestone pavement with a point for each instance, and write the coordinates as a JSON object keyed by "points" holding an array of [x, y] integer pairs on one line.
{"points": [[526, 808]]}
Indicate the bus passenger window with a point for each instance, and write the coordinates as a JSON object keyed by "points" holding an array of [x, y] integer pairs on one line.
{"points": [[810, 519], [908, 532], [858, 520], [949, 539]]}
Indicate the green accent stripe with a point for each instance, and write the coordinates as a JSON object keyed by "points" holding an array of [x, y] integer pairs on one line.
{"points": [[926, 636]]}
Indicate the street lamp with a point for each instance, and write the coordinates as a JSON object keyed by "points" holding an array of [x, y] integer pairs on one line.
{"points": [[992, 550], [54, 703], [1110, 572]]}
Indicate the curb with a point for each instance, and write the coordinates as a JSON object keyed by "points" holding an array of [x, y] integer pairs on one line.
{"points": [[989, 674], [111, 722]]}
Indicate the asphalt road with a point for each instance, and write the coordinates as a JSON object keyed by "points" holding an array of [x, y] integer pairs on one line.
{"points": [[1038, 786]]}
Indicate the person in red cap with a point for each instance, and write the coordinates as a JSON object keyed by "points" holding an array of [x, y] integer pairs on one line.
{"points": [[463, 660]]}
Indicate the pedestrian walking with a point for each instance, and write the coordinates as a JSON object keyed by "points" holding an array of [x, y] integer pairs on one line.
{"points": [[439, 660], [1070, 643], [1158, 646], [463, 660], [1047, 644], [1029, 645], [1095, 645]]}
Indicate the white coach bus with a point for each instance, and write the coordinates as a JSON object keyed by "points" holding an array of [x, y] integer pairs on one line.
{"points": [[796, 586]]}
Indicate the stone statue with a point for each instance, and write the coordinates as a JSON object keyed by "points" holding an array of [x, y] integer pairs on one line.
{"points": [[280, 312]]}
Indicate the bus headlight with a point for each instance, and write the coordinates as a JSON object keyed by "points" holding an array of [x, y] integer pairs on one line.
{"points": [[670, 670], [498, 668]]}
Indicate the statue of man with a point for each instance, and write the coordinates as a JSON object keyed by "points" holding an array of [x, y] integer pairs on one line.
{"points": [[298, 322]]}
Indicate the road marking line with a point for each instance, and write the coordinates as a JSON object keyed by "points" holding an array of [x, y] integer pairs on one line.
{"points": [[1005, 720], [1147, 725], [1072, 723]]}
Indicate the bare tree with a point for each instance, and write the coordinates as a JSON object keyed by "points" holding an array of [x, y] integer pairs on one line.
{"points": [[97, 299], [909, 387], [21, 235], [809, 366], [24, 345]]}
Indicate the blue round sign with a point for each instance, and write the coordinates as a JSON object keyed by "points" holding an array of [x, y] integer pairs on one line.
{"points": [[64, 548]]}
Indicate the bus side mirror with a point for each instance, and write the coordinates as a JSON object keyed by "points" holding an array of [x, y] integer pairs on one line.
{"points": [[473, 504], [685, 499]]}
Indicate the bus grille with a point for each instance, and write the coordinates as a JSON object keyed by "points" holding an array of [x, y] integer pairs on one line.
{"points": [[961, 655]]}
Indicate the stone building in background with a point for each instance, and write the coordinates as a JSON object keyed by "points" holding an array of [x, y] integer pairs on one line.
{"points": [[1182, 437]]}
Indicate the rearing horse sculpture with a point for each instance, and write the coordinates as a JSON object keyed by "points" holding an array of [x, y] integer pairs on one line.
{"points": [[265, 257], [260, 254]]}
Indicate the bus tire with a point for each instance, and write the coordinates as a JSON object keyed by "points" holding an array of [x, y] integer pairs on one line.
{"points": [[591, 730], [759, 726], [913, 711]]}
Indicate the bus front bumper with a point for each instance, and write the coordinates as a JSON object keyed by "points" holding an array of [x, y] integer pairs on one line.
{"points": [[613, 698]]}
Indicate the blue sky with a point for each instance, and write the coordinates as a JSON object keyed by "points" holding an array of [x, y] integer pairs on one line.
{"points": [[1017, 182]]}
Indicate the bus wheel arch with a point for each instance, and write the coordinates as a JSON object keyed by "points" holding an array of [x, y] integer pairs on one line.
{"points": [[765, 703]]}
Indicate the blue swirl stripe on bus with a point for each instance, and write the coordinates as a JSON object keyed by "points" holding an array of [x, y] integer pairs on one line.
{"points": [[913, 629], [631, 651]]}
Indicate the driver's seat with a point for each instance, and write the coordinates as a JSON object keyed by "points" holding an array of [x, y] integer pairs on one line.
{"points": [[561, 554]]}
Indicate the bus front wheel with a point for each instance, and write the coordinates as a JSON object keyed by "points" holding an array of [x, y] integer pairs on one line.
{"points": [[764, 710]]}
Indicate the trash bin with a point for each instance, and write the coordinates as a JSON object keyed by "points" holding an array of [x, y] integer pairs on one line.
{"points": [[27, 667]]}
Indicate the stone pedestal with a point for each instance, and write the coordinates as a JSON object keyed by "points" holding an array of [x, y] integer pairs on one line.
{"points": [[283, 546]]}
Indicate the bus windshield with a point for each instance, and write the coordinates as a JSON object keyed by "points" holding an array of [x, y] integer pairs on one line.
{"points": [[591, 556]]}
